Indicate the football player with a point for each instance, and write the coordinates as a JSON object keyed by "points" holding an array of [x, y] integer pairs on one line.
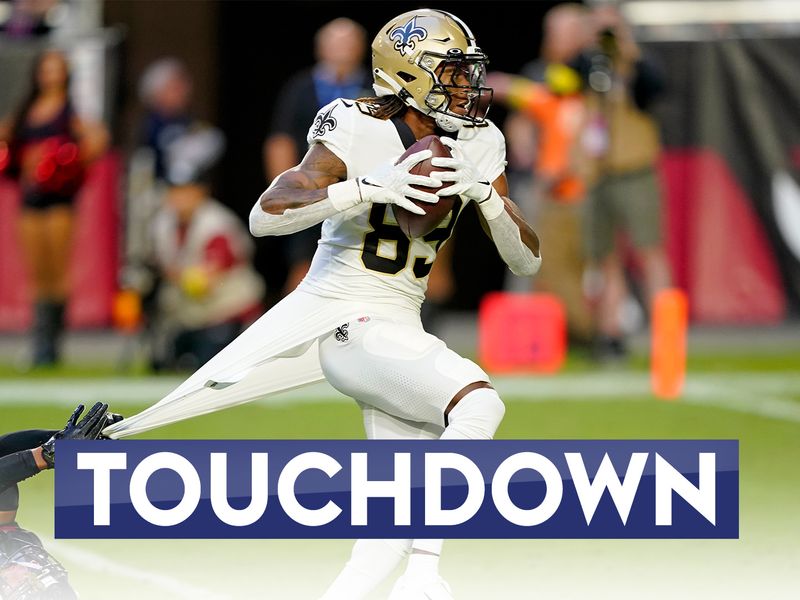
{"points": [[27, 570], [355, 318]]}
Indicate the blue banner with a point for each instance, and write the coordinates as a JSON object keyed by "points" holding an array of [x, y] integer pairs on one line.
{"points": [[398, 489]]}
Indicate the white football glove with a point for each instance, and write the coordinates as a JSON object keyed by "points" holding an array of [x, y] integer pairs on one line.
{"points": [[466, 181], [464, 177], [390, 184]]}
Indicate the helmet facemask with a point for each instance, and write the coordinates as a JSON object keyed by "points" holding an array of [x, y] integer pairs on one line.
{"points": [[459, 95]]}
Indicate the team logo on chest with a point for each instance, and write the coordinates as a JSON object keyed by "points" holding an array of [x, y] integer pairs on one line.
{"points": [[407, 36], [324, 123]]}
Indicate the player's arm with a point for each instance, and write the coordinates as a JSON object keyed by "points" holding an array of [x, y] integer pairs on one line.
{"points": [[21, 465], [14, 468], [527, 234], [515, 239], [21, 455], [298, 198], [318, 188], [306, 184], [17, 463]]}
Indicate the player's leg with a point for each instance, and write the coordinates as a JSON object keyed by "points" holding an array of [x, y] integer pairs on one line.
{"points": [[398, 368], [403, 371], [372, 561], [475, 412]]}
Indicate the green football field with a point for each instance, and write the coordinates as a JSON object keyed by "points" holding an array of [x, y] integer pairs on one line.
{"points": [[753, 399]]}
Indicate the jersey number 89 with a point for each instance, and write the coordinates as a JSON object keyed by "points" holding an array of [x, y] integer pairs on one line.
{"points": [[392, 233]]}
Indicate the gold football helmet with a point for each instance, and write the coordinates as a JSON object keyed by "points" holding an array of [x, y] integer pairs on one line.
{"points": [[430, 60]]}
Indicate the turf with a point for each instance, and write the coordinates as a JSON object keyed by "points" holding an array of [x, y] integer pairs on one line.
{"points": [[763, 562]]}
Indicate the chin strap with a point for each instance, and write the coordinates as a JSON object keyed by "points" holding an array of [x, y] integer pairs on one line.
{"points": [[448, 123]]}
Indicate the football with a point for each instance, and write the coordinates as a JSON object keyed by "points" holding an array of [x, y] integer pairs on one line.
{"points": [[421, 225]]}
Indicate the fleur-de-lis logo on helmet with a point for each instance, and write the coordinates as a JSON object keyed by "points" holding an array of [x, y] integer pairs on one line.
{"points": [[324, 123], [406, 35]]}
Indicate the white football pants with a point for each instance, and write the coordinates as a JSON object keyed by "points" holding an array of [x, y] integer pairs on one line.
{"points": [[384, 360]]}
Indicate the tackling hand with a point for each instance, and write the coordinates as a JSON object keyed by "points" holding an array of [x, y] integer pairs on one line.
{"points": [[88, 428], [111, 419]]}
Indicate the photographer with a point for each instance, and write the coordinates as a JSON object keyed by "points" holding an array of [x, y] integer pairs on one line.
{"points": [[622, 139], [544, 135]]}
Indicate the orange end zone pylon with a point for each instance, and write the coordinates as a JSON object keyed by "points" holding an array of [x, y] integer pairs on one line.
{"points": [[126, 311], [670, 316]]}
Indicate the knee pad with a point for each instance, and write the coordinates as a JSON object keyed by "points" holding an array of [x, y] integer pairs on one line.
{"points": [[476, 416]]}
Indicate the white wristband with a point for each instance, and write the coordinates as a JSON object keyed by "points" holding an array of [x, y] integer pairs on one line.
{"points": [[345, 194], [493, 206]]}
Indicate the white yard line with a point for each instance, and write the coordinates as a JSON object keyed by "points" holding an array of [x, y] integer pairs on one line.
{"points": [[761, 394], [175, 588]]}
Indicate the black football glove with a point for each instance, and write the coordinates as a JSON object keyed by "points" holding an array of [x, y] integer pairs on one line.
{"points": [[88, 428], [111, 418]]}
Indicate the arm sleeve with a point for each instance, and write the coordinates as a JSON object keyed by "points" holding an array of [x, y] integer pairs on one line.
{"points": [[291, 221], [24, 440], [508, 241], [17, 467], [504, 231], [17, 462]]}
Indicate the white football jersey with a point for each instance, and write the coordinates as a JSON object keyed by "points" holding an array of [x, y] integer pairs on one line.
{"points": [[363, 254]]}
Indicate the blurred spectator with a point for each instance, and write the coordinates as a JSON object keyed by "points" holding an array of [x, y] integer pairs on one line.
{"points": [[165, 93], [165, 90], [550, 117], [565, 35], [49, 148], [209, 290], [339, 72], [623, 140], [28, 18]]}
